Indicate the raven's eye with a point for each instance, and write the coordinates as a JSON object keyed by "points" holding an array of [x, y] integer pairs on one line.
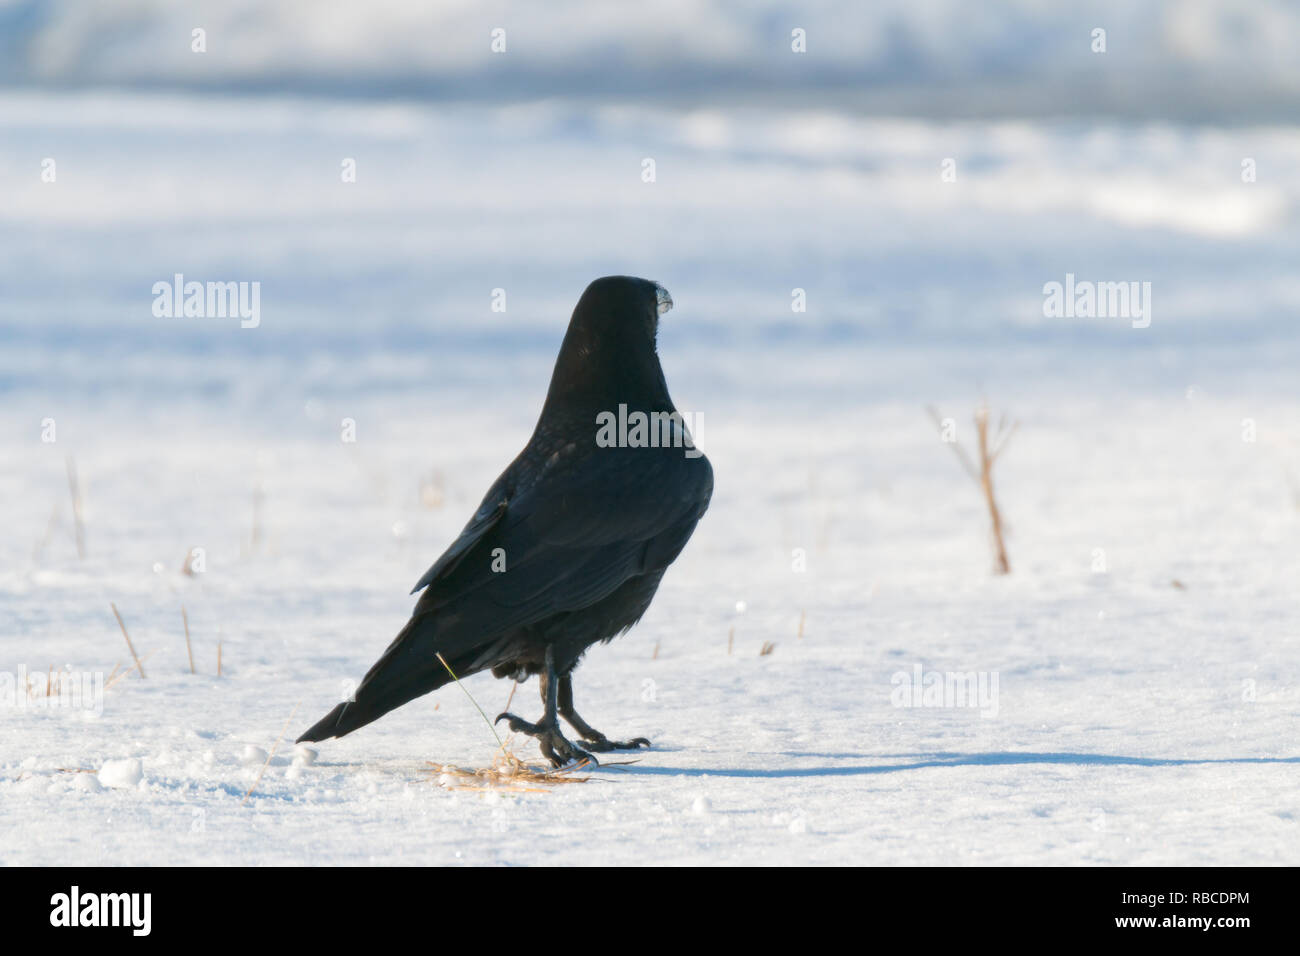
{"points": [[663, 300]]}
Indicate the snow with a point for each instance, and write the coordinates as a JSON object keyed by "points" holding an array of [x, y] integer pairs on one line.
{"points": [[1144, 645], [121, 774]]}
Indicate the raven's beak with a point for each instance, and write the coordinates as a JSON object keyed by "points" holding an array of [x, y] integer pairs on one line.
{"points": [[664, 300]]}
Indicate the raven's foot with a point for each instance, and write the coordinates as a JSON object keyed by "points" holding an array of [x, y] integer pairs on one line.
{"points": [[602, 744], [555, 747]]}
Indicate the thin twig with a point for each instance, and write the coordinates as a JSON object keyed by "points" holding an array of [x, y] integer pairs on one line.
{"points": [[1003, 440], [270, 755], [960, 452], [989, 450], [492, 727], [186, 619], [126, 673], [986, 484], [129, 645]]}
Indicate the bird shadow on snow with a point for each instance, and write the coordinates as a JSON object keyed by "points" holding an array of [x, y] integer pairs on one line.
{"points": [[922, 761]]}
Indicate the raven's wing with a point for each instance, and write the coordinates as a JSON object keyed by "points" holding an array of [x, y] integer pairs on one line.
{"points": [[587, 523], [484, 520]]}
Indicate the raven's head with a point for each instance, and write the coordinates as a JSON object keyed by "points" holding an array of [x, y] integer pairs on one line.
{"points": [[614, 306], [609, 349]]}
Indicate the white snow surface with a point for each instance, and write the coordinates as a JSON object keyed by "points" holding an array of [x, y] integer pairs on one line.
{"points": [[1145, 645]]}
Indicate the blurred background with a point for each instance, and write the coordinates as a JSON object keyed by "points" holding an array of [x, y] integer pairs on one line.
{"points": [[523, 170], [856, 208]]}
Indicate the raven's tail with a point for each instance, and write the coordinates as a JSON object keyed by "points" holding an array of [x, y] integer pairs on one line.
{"points": [[410, 668]]}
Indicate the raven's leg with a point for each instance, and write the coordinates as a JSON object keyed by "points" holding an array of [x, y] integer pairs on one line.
{"points": [[591, 737], [555, 747]]}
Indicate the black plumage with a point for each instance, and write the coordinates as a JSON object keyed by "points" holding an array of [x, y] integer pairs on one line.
{"points": [[569, 545]]}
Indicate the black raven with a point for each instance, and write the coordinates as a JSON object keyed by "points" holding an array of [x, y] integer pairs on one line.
{"points": [[570, 543]]}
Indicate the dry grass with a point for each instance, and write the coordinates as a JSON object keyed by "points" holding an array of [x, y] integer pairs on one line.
{"points": [[114, 677], [129, 645], [491, 726], [185, 618], [32, 686], [271, 755], [509, 773], [989, 450]]}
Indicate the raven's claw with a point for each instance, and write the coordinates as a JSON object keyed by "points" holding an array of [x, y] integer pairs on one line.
{"points": [[603, 744], [555, 747]]}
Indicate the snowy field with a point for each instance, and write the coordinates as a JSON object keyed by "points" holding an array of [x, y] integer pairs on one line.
{"points": [[1144, 647]]}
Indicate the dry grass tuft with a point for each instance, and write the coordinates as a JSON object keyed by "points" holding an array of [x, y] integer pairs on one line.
{"points": [[185, 619], [115, 676], [509, 773], [990, 447], [129, 646]]}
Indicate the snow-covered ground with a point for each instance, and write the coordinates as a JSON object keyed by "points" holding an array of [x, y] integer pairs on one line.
{"points": [[1144, 647]]}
